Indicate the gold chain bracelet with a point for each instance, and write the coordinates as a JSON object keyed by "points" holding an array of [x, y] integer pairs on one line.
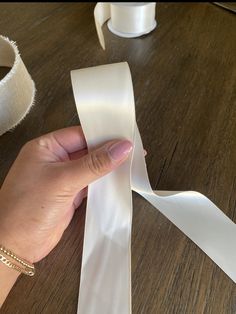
{"points": [[27, 268]]}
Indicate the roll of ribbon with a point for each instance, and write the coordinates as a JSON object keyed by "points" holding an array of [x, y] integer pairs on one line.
{"points": [[105, 104], [126, 19], [17, 89]]}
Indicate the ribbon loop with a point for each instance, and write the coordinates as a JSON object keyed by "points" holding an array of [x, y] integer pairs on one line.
{"points": [[105, 104], [17, 89]]}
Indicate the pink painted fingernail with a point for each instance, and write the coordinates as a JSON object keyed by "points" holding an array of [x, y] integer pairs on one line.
{"points": [[120, 150]]}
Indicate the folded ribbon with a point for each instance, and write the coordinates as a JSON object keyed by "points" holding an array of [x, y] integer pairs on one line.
{"points": [[127, 19], [105, 104], [17, 89]]}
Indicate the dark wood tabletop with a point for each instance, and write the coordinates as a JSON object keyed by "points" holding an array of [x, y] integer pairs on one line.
{"points": [[184, 76]]}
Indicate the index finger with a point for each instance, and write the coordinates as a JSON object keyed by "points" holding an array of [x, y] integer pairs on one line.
{"points": [[71, 139]]}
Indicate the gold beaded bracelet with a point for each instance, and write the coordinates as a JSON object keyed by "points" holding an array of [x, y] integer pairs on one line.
{"points": [[25, 267]]}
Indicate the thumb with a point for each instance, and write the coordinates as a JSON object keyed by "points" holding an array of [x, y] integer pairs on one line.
{"points": [[97, 163]]}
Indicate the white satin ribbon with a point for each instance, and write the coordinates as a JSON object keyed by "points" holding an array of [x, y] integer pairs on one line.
{"points": [[17, 89], [105, 104], [127, 19]]}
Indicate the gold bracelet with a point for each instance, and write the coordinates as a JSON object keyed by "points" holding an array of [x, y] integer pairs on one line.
{"points": [[27, 268]]}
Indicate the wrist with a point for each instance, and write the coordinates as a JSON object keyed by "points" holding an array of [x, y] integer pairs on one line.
{"points": [[16, 246]]}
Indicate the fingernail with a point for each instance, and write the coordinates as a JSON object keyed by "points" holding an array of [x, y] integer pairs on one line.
{"points": [[120, 150]]}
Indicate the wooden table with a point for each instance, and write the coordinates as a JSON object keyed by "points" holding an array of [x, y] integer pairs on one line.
{"points": [[184, 77]]}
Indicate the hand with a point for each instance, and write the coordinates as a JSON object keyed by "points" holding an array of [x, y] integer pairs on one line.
{"points": [[46, 184]]}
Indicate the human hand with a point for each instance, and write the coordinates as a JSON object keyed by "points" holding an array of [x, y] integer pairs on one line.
{"points": [[46, 184]]}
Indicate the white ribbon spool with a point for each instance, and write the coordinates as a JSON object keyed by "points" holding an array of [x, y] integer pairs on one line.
{"points": [[127, 19], [105, 104], [17, 89]]}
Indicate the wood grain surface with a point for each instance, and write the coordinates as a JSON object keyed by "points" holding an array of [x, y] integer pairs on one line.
{"points": [[184, 76]]}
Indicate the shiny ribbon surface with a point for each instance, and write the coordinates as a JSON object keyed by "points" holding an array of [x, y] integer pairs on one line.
{"points": [[105, 104], [17, 89], [126, 19]]}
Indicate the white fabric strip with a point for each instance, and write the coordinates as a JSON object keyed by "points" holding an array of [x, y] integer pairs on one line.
{"points": [[17, 89], [126, 19], [105, 282], [105, 104]]}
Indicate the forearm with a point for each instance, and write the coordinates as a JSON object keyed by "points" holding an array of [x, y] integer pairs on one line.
{"points": [[8, 278]]}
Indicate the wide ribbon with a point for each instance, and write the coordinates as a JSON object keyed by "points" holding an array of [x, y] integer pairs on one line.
{"points": [[126, 19], [17, 89], [105, 104]]}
